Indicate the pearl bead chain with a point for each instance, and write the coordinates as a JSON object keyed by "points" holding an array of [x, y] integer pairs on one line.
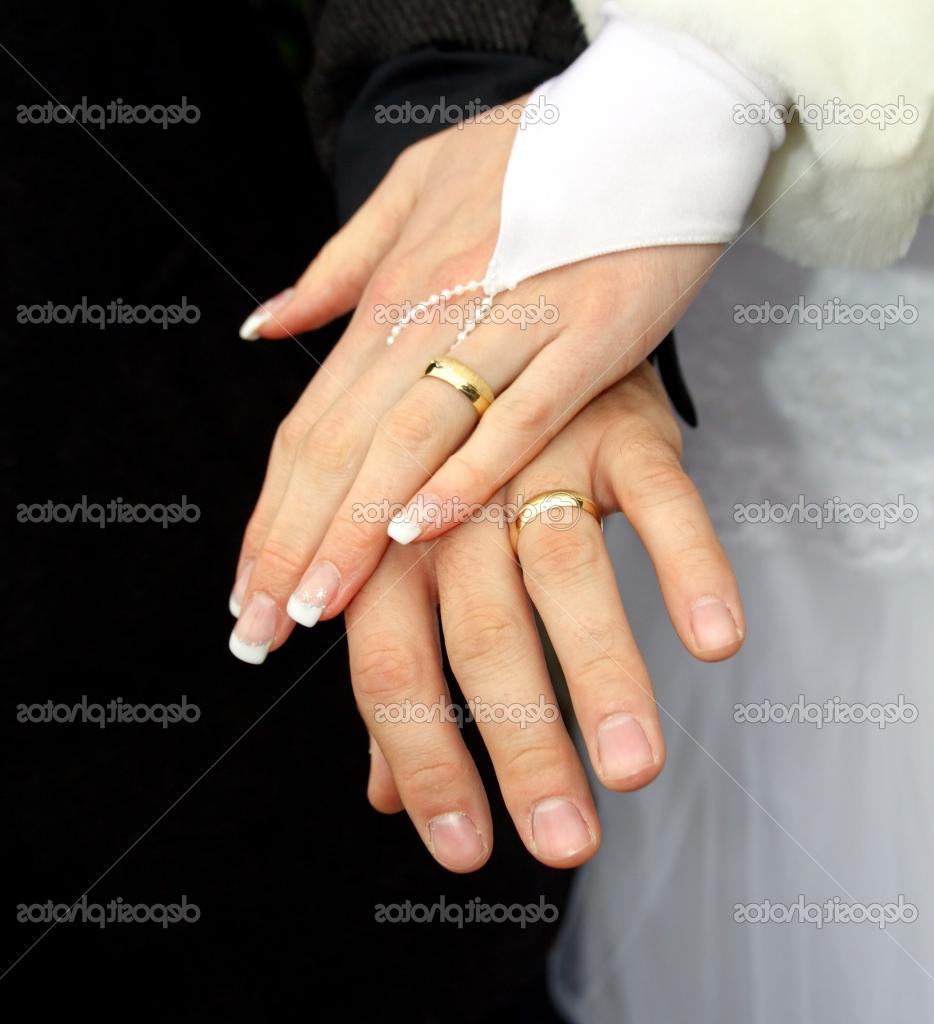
{"points": [[483, 308], [433, 300], [492, 284]]}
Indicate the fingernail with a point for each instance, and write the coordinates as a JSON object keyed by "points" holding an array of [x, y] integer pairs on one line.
{"points": [[425, 510], [712, 625], [239, 588], [454, 840], [558, 830], [622, 747], [404, 527], [255, 629], [249, 329], [318, 587]]}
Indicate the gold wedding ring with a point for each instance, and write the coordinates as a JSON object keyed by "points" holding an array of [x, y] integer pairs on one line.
{"points": [[542, 504], [465, 380]]}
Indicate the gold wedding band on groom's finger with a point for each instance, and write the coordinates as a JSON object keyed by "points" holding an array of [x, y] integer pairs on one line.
{"points": [[465, 380], [542, 504]]}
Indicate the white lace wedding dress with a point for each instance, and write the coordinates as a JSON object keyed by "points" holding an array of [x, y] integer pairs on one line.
{"points": [[795, 813]]}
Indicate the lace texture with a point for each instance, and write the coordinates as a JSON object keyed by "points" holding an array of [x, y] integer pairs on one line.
{"points": [[798, 414]]}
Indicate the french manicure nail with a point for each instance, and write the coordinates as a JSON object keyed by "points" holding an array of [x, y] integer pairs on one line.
{"points": [[403, 529], [318, 587], [409, 524], [239, 588], [712, 625], [255, 629], [249, 329], [622, 747], [558, 830], [455, 840]]}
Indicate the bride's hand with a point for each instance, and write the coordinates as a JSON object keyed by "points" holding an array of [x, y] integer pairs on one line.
{"points": [[372, 432]]}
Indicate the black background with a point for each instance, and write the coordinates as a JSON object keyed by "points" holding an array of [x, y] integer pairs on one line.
{"points": [[257, 813]]}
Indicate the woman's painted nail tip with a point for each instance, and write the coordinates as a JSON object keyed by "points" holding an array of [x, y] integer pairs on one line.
{"points": [[318, 588], [303, 614], [403, 532], [249, 329], [238, 593], [252, 654]]}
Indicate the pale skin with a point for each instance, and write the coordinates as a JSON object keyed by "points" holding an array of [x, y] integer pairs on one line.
{"points": [[369, 429]]}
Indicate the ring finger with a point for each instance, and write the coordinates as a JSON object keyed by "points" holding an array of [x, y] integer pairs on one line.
{"points": [[570, 579]]}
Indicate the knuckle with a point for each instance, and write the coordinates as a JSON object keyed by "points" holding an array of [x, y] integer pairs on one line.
{"points": [[650, 413], [647, 445], [602, 676], [289, 435], [558, 555], [541, 761], [342, 276], [280, 561], [593, 303], [425, 781], [470, 482], [394, 281], [412, 423], [462, 266], [482, 633], [352, 537], [402, 164], [597, 637], [660, 483], [695, 558], [408, 162], [384, 667], [654, 473], [330, 446], [673, 437], [670, 439], [256, 530], [525, 415]]}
